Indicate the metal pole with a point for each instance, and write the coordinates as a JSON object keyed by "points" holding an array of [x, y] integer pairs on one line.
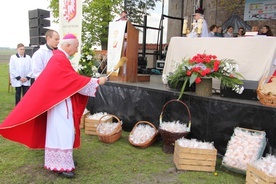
{"points": [[161, 34], [161, 43], [144, 36], [182, 21]]}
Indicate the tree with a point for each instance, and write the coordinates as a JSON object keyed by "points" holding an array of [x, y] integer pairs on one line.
{"points": [[136, 9], [98, 13]]}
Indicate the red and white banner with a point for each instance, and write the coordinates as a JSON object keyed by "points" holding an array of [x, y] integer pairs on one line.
{"points": [[70, 21]]}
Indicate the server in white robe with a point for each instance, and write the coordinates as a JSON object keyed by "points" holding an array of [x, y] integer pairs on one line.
{"points": [[20, 72], [41, 57]]}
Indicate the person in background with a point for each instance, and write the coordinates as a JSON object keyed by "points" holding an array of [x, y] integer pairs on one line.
{"points": [[41, 57], [241, 32], [255, 29], [20, 69], [123, 16], [229, 32], [266, 31], [213, 30], [219, 32], [48, 117]]}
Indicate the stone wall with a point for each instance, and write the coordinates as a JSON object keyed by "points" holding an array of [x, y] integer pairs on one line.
{"points": [[216, 12]]}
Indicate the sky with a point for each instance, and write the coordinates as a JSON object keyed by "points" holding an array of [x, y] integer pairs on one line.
{"points": [[15, 21]]}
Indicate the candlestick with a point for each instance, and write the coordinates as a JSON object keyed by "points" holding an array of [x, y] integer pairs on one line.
{"points": [[199, 26], [184, 29]]}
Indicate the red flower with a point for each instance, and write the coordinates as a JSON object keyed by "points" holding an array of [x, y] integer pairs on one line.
{"points": [[216, 65], [198, 80], [189, 73], [200, 60], [196, 69], [203, 72], [214, 56], [207, 71]]}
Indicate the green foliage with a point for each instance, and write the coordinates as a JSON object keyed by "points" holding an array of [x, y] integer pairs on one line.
{"points": [[88, 62], [96, 16], [54, 6], [136, 9]]}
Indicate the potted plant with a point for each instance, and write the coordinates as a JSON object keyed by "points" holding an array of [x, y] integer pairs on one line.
{"points": [[201, 66]]}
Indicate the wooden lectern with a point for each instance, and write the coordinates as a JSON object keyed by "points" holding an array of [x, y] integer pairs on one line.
{"points": [[128, 72]]}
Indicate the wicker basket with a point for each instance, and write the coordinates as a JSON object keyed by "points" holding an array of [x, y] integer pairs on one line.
{"points": [[148, 142], [268, 100], [169, 138], [113, 136]]}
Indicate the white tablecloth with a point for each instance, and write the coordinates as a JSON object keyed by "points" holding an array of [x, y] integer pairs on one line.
{"points": [[255, 55]]}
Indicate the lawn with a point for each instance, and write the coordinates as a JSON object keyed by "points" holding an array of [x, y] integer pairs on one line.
{"points": [[98, 162]]}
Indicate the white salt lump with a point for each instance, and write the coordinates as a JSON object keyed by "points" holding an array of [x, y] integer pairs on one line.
{"points": [[107, 128], [174, 126], [266, 164], [98, 115], [243, 148], [142, 133], [193, 143]]}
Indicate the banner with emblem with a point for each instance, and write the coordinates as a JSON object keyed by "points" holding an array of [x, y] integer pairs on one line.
{"points": [[70, 21]]}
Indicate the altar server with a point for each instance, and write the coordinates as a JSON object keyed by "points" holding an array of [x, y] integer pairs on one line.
{"points": [[20, 69]]}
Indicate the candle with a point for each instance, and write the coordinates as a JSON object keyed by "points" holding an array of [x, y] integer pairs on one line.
{"points": [[199, 26], [184, 30]]}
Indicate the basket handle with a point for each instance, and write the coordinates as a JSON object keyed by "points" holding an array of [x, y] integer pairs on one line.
{"points": [[119, 121], [109, 115], [176, 100]]}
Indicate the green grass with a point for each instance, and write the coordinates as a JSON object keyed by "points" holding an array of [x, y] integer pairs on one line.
{"points": [[98, 162]]}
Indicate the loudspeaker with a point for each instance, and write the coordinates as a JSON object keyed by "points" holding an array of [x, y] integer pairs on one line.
{"points": [[38, 13], [37, 40], [33, 23], [31, 50], [37, 23], [38, 31], [249, 92]]}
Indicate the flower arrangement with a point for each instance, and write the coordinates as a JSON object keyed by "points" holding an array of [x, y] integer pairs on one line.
{"points": [[88, 62], [202, 65]]}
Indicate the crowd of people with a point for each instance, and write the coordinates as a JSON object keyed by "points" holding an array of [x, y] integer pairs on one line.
{"points": [[217, 31]]}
